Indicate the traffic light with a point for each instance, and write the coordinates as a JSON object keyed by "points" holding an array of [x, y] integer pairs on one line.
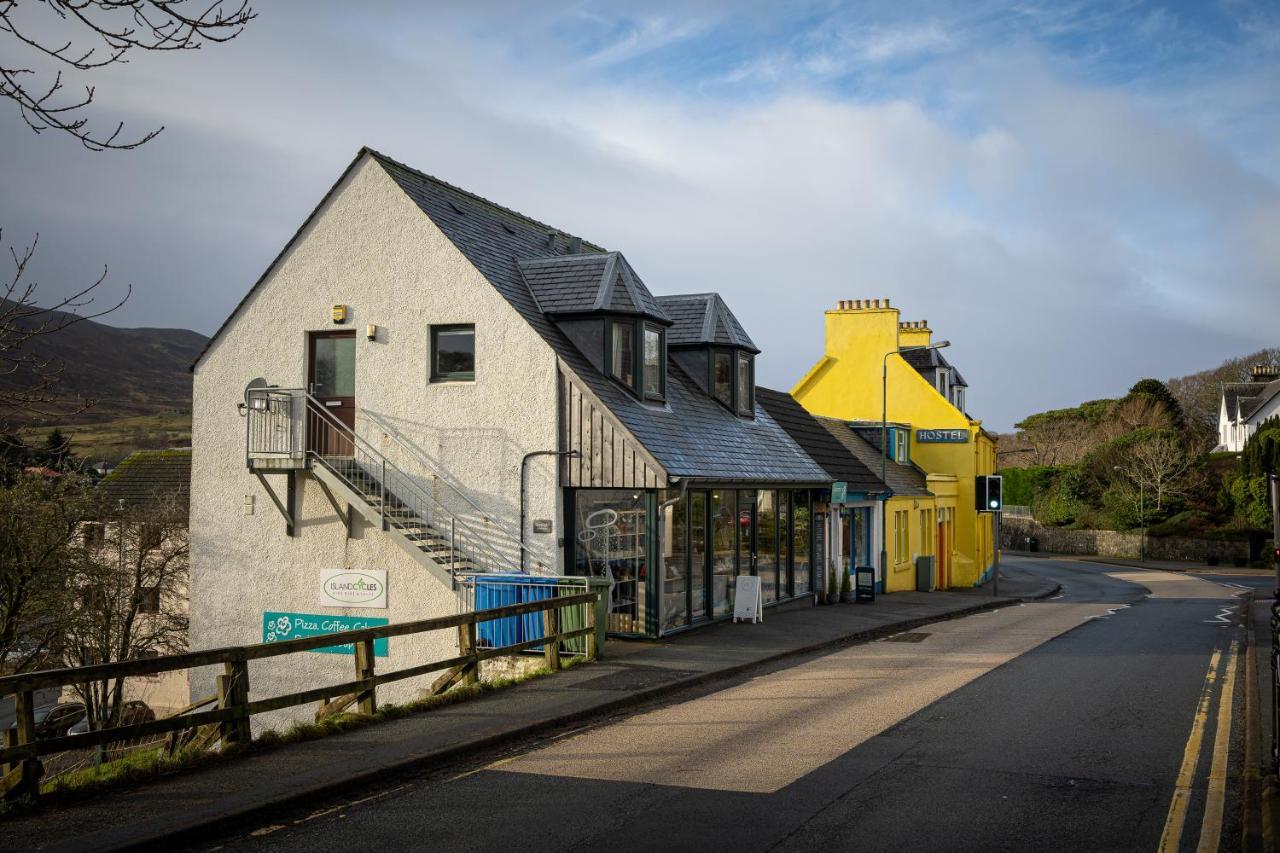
{"points": [[988, 493]]}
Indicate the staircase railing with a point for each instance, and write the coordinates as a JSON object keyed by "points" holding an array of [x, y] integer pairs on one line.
{"points": [[290, 422], [536, 557]]}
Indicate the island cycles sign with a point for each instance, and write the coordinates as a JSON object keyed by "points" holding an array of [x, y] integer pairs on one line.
{"points": [[277, 627], [942, 436], [365, 588]]}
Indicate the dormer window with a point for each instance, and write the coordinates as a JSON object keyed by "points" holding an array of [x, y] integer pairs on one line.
{"points": [[642, 367], [622, 352], [722, 377], [745, 398], [732, 380], [655, 379]]}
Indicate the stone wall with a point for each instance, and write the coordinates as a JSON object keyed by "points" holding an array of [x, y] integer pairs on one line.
{"points": [[1110, 543]]}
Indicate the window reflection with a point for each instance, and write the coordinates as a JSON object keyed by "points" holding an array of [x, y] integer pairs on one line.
{"points": [[612, 540]]}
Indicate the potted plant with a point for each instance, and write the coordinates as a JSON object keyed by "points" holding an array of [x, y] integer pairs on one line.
{"points": [[846, 590], [833, 591]]}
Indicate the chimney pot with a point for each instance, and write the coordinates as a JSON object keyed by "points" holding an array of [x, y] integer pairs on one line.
{"points": [[886, 302], [877, 303]]}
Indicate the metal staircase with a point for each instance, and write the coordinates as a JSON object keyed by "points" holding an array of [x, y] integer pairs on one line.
{"points": [[288, 429]]}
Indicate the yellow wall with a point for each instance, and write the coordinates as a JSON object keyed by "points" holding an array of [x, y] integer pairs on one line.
{"points": [[846, 384]]}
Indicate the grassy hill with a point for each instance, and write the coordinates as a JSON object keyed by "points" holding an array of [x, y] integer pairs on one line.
{"points": [[111, 441], [123, 373]]}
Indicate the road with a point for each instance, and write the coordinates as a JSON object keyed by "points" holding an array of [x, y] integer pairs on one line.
{"points": [[1107, 718]]}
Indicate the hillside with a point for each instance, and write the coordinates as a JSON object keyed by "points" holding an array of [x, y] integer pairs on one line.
{"points": [[124, 372]]}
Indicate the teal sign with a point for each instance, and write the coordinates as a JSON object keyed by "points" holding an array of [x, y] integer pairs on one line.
{"points": [[277, 627], [839, 492], [942, 436]]}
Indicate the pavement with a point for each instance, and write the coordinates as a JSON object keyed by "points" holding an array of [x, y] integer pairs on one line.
{"points": [[1105, 717], [194, 804]]}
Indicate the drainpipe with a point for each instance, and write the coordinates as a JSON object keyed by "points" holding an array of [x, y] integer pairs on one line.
{"points": [[524, 462]]}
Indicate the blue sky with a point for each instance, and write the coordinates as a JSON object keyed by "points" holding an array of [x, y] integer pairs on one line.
{"points": [[1076, 194]]}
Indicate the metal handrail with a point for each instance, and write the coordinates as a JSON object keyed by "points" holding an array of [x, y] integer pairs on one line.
{"points": [[478, 544], [417, 456]]}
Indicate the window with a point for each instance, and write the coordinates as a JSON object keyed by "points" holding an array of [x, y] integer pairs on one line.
{"points": [[926, 532], [654, 380], [622, 352], [960, 398], [901, 545], [611, 535], [93, 535], [722, 377], [900, 439], [149, 599], [453, 353], [745, 402]]}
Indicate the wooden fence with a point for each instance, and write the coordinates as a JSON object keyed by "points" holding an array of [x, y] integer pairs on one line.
{"points": [[20, 766]]}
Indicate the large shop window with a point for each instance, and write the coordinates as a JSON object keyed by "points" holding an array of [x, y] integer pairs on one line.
{"points": [[675, 565], [611, 540], [724, 546]]}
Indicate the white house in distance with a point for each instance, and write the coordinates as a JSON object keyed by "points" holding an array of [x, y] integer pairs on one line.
{"points": [[425, 385], [1245, 405]]}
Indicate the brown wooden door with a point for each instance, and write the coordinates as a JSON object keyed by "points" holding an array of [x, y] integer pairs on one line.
{"points": [[331, 379]]}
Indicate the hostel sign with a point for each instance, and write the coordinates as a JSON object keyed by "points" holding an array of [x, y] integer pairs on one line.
{"points": [[942, 436]]}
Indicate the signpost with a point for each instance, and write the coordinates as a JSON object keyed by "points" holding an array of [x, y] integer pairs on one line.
{"points": [[839, 492]]}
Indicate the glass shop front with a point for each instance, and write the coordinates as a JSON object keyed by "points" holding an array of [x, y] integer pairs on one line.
{"points": [[697, 541]]}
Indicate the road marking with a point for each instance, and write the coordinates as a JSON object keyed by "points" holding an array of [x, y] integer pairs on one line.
{"points": [[1177, 817], [1224, 615], [1211, 829]]}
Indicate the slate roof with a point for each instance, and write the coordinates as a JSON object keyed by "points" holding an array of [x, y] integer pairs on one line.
{"points": [[819, 441], [692, 435], [701, 319], [925, 360], [864, 443], [1249, 406], [150, 479], [594, 281]]}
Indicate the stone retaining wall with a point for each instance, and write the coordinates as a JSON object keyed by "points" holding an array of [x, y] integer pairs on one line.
{"points": [[1110, 543]]}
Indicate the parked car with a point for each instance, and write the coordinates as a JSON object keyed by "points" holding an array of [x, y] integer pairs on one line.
{"points": [[131, 713], [55, 720]]}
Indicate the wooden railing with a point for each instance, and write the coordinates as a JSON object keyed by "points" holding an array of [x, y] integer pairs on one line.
{"points": [[20, 767]]}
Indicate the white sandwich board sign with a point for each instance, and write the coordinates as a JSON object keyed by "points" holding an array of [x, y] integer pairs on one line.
{"points": [[747, 603]]}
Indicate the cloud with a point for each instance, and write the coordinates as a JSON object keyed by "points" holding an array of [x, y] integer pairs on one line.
{"points": [[1067, 233]]}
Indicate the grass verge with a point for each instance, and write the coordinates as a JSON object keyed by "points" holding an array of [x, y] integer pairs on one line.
{"points": [[148, 765]]}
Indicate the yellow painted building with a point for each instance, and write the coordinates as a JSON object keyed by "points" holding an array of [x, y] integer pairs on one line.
{"points": [[863, 338]]}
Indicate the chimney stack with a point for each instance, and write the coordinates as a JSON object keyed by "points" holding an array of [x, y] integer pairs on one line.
{"points": [[1264, 373]]}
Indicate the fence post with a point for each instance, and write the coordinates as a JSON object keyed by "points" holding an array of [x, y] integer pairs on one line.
{"points": [[367, 700], [233, 692], [590, 613], [30, 768], [550, 628], [467, 646]]}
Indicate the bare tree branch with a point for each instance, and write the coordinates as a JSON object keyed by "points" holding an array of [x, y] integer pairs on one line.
{"points": [[102, 33]]}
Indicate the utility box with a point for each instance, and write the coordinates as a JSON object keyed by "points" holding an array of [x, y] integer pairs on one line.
{"points": [[926, 580]]}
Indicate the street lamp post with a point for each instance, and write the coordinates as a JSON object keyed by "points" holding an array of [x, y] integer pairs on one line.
{"points": [[884, 448]]}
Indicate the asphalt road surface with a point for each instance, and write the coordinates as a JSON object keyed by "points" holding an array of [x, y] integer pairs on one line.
{"points": [[1107, 718]]}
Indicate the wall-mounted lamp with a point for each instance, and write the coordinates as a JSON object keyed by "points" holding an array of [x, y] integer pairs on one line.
{"points": [[371, 332]]}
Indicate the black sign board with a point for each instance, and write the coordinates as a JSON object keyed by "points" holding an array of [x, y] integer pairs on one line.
{"points": [[864, 583]]}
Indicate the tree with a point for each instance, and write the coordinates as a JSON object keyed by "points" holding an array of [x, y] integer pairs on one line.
{"points": [[39, 557], [83, 36], [1159, 392], [1157, 463], [131, 593]]}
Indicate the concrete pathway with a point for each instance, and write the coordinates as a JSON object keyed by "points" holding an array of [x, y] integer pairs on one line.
{"points": [[226, 793]]}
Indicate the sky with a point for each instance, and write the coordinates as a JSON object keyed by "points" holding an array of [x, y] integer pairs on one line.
{"points": [[1076, 195]]}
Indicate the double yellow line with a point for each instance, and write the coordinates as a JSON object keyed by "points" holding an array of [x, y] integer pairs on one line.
{"points": [[1211, 827]]}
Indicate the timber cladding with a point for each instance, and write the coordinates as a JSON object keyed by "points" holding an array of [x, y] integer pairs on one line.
{"points": [[610, 456]]}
